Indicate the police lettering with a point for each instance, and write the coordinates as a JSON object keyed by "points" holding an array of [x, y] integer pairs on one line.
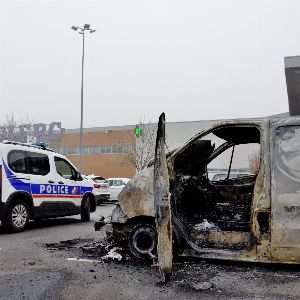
{"points": [[53, 189]]}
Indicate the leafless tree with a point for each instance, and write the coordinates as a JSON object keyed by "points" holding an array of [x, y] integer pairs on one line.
{"points": [[139, 151], [8, 128], [254, 161]]}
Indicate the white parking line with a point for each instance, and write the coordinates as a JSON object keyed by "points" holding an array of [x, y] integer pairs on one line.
{"points": [[83, 260]]}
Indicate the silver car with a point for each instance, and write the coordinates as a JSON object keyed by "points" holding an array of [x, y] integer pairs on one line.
{"points": [[101, 188], [116, 185]]}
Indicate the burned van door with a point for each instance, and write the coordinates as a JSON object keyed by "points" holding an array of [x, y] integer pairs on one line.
{"points": [[162, 203], [285, 190]]}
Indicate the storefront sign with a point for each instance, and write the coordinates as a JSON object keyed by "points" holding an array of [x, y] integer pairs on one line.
{"points": [[40, 132]]}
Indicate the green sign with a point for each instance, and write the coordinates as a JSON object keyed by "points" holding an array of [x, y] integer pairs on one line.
{"points": [[138, 132]]}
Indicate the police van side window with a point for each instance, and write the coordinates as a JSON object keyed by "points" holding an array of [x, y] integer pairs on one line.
{"points": [[17, 161], [64, 169], [38, 163]]}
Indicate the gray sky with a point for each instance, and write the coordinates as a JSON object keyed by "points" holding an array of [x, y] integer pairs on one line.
{"points": [[191, 59]]}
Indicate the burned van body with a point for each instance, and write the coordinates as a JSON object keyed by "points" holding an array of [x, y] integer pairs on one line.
{"points": [[255, 217]]}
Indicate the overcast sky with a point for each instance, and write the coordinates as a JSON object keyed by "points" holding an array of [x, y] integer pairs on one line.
{"points": [[194, 60]]}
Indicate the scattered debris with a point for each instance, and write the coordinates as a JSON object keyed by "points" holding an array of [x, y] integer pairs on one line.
{"points": [[99, 224], [112, 255], [102, 222], [95, 248], [202, 286], [65, 245], [91, 251], [107, 220], [186, 274]]}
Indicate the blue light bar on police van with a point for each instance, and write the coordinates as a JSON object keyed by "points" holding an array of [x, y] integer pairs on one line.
{"points": [[41, 144]]}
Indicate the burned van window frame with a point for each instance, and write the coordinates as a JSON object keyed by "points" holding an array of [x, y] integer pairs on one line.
{"points": [[221, 138], [42, 170], [11, 165]]}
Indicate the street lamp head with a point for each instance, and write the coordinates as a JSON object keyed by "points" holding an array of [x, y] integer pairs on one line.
{"points": [[74, 28], [87, 26], [92, 31]]}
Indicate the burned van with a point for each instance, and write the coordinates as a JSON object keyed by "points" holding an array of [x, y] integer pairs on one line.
{"points": [[173, 208]]}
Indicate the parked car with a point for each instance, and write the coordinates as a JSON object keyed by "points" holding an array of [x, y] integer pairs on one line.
{"points": [[174, 209], [101, 188], [116, 185], [91, 182], [36, 182]]}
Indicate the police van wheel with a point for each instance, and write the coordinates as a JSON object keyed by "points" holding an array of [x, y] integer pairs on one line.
{"points": [[86, 211], [17, 216]]}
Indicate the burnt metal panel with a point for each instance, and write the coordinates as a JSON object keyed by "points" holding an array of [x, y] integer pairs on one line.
{"points": [[285, 215], [162, 203]]}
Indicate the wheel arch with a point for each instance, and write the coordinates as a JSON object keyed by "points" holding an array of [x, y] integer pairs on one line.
{"points": [[141, 220], [19, 195], [93, 202], [179, 240]]}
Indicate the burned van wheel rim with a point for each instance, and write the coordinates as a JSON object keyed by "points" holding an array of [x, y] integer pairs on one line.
{"points": [[144, 240], [19, 215]]}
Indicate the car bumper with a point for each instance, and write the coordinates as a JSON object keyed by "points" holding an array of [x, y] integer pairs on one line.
{"points": [[102, 197]]}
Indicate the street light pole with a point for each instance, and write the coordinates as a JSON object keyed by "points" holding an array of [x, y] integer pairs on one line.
{"points": [[86, 27], [81, 110]]}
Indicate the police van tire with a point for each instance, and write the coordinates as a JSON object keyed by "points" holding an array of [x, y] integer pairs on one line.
{"points": [[17, 216], [86, 210]]}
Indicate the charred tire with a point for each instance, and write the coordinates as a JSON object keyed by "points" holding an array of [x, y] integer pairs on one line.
{"points": [[142, 242], [17, 216], [86, 210]]}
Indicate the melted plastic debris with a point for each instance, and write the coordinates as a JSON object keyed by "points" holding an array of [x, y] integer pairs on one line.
{"points": [[102, 222], [112, 255]]}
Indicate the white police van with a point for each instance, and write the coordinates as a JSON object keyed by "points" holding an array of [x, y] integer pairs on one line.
{"points": [[36, 183]]}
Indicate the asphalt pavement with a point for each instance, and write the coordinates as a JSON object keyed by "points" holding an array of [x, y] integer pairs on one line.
{"points": [[31, 268]]}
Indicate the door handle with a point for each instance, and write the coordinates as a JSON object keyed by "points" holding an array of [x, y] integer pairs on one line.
{"points": [[50, 181], [60, 182]]}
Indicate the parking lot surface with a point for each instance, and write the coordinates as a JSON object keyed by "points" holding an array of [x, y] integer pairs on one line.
{"points": [[31, 269]]}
